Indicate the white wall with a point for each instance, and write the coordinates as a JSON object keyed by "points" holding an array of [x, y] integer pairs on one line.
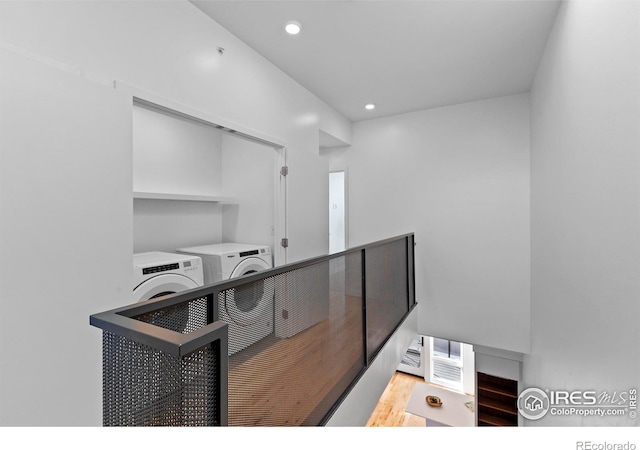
{"points": [[248, 175], [165, 225], [172, 154], [585, 198], [459, 178], [168, 49], [65, 238]]}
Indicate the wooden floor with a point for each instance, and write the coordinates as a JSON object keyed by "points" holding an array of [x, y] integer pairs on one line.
{"points": [[390, 409], [288, 381]]}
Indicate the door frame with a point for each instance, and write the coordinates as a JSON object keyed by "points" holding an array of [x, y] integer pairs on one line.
{"points": [[280, 207], [346, 207]]}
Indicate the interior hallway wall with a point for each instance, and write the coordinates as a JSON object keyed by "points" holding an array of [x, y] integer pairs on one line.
{"points": [[459, 178], [585, 201]]}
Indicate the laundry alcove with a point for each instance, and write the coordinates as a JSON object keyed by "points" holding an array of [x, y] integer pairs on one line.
{"points": [[196, 182]]}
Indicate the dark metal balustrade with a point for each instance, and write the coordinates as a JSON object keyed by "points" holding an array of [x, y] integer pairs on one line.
{"points": [[281, 347]]}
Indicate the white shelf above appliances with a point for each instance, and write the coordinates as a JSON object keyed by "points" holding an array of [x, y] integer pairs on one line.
{"points": [[183, 197]]}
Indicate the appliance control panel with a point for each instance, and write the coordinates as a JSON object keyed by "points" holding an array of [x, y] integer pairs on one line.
{"points": [[244, 254], [191, 266], [161, 268], [187, 267]]}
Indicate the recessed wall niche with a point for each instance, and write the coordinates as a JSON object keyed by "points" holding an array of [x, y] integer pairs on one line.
{"points": [[195, 184]]}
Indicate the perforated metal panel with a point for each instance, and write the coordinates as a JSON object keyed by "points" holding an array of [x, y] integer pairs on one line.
{"points": [[248, 310], [182, 318], [296, 374], [146, 387], [143, 386], [387, 291]]}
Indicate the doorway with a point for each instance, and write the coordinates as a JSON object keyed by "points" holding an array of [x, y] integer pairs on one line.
{"points": [[413, 361], [337, 212], [442, 362]]}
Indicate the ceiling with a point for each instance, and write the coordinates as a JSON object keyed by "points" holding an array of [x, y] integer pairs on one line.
{"points": [[401, 55]]}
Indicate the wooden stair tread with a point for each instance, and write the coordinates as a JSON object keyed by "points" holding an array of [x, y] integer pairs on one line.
{"points": [[497, 405], [489, 419]]}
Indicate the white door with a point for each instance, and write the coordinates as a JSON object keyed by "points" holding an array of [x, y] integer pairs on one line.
{"points": [[337, 212], [307, 192], [251, 173]]}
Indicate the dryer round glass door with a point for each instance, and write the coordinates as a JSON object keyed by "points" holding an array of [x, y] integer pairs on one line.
{"points": [[162, 285], [246, 304]]}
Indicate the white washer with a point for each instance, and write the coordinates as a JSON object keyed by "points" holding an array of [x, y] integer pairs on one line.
{"points": [[248, 310], [156, 274]]}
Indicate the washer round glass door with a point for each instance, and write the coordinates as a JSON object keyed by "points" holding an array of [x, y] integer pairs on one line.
{"points": [[162, 285], [247, 303]]}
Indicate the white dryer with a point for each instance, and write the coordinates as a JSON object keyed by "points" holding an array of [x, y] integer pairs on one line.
{"points": [[156, 274], [248, 310]]}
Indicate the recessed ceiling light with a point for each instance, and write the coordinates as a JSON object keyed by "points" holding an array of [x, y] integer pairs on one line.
{"points": [[293, 27], [369, 106]]}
